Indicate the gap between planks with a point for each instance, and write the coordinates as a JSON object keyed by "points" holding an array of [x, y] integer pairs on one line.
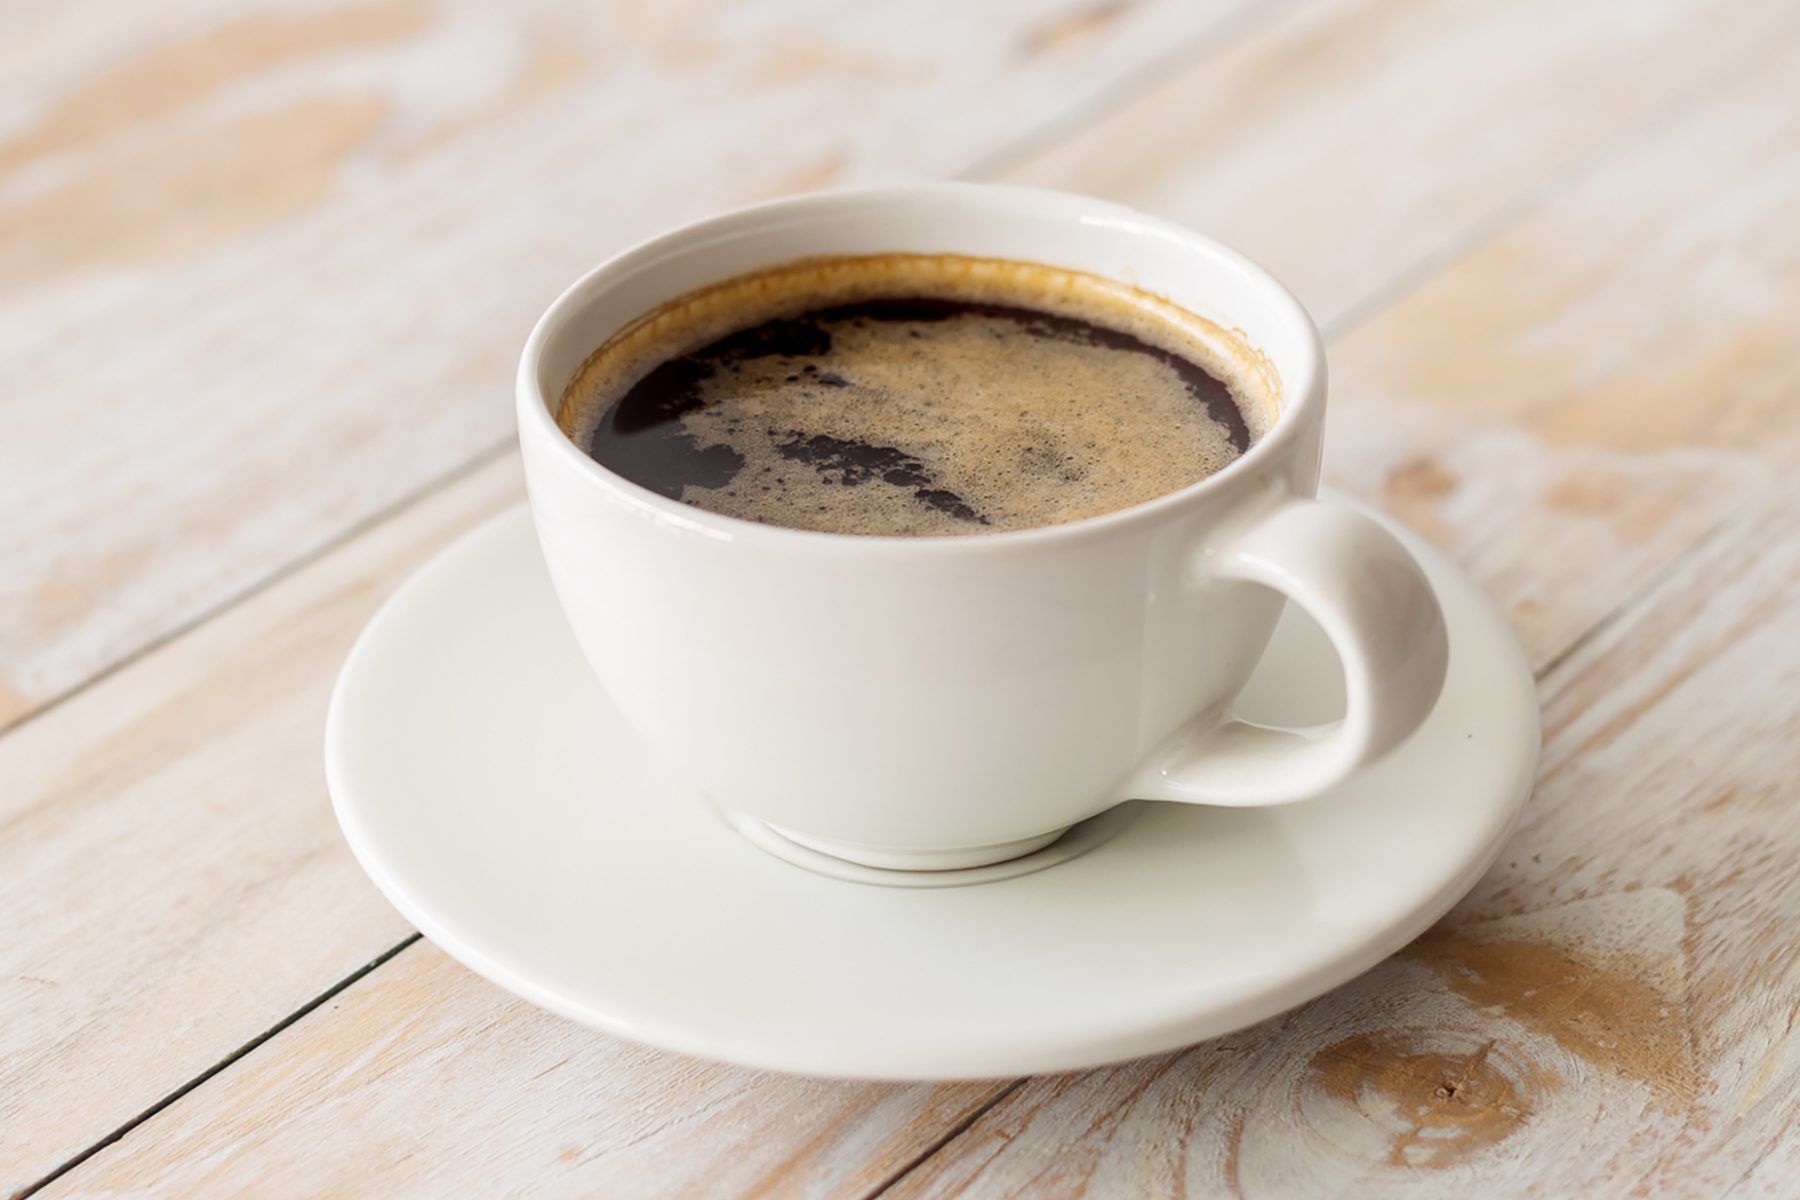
{"points": [[992, 167], [243, 1051], [1670, 576], [1354, 316], [349, 533], [1183, 56], [989, 167], [948, 1136]]}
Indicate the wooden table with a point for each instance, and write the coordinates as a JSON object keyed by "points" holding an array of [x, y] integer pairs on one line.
{"points": [[264, 271]]}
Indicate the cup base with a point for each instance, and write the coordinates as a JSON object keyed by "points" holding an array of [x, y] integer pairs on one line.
{"points": [[924, 860], [982, 864]]}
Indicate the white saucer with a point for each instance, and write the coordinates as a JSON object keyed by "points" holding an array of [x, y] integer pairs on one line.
{"points": [[490, 790]]}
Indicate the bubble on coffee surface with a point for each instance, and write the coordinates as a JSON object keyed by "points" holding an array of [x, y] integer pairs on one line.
{"points": [[918, 395]]}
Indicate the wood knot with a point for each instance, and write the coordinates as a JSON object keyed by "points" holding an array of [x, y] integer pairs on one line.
{"points": [[1614, 1012], [1424, 1098]]}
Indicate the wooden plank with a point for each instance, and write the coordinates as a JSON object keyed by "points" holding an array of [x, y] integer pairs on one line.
{"points": [[196, 884], [170, 848], [167, 842], [1353, 144], [394, 1091], [1612, 1011], [1577, 398], [1614, 1005], [168, 853], [281, 260], [333, 379], [1595, 376]]}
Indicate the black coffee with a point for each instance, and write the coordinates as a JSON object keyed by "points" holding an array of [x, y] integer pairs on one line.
{"points": [[918, 395]]}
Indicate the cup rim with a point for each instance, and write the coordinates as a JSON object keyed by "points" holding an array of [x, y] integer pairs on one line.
{"points": [[1299, 397]]}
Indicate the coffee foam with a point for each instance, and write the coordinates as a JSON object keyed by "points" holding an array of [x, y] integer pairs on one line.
{"points": [[1031, 433]]}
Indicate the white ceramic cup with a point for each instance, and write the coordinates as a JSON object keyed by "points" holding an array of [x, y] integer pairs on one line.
{"points": [[935, 703]]}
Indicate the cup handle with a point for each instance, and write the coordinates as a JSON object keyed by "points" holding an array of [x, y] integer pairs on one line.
{"points": [[1370, 597]]}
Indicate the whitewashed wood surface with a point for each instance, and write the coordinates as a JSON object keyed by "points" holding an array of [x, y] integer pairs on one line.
{"points": [[263, 270]]}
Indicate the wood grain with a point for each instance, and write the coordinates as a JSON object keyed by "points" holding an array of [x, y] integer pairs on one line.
{"points": [[1352, 145], [164, 837], [588, 1115], [154, 178], [1574, 401], [1563, 353], [168, 857], [281, 260], [1572, 360], [1611, 1012], [1615, 1005]]}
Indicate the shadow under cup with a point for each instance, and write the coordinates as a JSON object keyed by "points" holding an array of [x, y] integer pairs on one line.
{"points": [[915, 703]]}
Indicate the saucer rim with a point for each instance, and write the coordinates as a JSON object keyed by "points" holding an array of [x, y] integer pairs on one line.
{"points": [[1177, 1023]]}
